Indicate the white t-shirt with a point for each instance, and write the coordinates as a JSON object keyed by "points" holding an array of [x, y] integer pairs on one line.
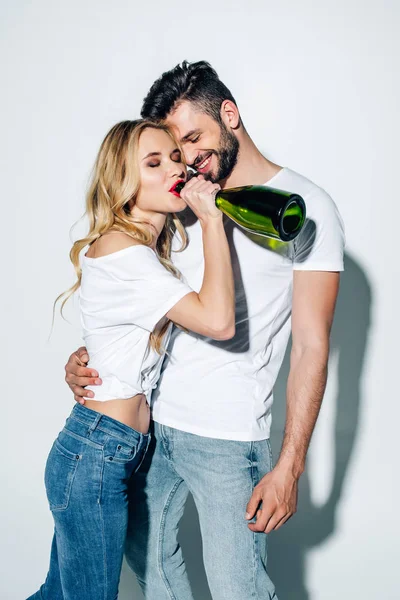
{"points": [[122, 297], [224, 389]]}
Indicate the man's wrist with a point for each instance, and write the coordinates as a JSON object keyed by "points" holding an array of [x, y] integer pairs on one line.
{"points": [[290, 464]]}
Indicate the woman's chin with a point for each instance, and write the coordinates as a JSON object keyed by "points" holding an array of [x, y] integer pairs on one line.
{"points": [[179, 205]]}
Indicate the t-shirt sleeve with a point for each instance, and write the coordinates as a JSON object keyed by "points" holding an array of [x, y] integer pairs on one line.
{"points": [[320, 244], [147, 290]]}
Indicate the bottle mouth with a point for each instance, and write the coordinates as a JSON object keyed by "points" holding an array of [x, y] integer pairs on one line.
{"points": [[292, 219], [177, 187]]}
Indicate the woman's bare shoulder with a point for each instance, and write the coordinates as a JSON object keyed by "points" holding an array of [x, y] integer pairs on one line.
{"points": [[111, 242]]}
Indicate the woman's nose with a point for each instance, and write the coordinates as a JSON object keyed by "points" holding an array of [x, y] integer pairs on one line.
{"points": [[176, 169]]}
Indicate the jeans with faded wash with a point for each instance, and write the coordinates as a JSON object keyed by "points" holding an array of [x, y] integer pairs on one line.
{"points": [[221, 476]]}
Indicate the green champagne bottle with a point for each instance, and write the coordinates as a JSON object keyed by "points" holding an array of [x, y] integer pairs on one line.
{"points": [[262, 210]]}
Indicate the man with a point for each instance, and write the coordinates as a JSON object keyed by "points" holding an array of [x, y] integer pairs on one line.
{"points": [[212, 408]]}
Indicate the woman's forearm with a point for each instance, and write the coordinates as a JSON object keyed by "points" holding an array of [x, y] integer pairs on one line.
{"points": [[217, 293]]}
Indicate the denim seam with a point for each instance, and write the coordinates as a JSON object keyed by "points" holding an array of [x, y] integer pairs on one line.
{"points": [[168, 445], [83, 439], [160, 541], [254, 478], [144, 450], [271, 458], [102, 528], [124, 461], [107, 431], [121, 435], [168, 449], [62, 508], [64, 451]]}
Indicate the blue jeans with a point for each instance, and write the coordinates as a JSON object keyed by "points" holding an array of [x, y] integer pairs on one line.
{"points": [[86, 477], [221, 475]]}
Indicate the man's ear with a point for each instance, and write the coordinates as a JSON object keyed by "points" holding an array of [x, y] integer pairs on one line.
{"points": [[230, 114]]}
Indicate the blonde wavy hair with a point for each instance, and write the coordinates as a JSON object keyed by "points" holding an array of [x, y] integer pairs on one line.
{"points": [[115, 184]]}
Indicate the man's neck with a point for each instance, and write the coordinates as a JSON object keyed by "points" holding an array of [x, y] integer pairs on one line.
{"points": [[252, 168]]}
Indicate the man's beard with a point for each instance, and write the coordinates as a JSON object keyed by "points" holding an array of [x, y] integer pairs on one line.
{"points": [[227, 155]]}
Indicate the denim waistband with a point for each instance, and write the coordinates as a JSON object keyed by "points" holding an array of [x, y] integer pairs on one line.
{"points": [[95, 420]]}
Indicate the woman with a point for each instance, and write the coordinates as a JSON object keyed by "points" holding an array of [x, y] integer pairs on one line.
{"points": [[130, 293]]}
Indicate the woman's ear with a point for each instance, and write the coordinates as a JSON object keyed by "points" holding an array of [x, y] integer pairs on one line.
{"points": [[230, 114]]}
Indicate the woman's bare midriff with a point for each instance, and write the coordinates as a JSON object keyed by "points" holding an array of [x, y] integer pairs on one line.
{"points": [[134, 412]]}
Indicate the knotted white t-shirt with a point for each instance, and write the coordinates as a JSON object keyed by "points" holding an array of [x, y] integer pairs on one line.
{"points": [[122, 297]]}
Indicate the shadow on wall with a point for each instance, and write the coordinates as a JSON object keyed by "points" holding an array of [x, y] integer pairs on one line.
{"points": [[312, 525]]}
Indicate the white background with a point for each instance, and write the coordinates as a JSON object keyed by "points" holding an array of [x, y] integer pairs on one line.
{"points": [[317, 84]]}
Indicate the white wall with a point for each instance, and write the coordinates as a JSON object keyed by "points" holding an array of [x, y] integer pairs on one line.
{"points": [[317, 84]]}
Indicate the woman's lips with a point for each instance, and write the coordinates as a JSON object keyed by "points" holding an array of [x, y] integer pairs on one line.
{"points": [[173, 188]]}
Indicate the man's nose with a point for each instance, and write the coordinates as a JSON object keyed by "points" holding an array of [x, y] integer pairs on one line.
{"points": [[190, 156]]}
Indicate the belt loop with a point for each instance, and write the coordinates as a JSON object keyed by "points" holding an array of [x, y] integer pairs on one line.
{"points": [[94, 424]]}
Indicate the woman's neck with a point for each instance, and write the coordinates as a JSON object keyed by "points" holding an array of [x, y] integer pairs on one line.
{"points": [[155, 221]]}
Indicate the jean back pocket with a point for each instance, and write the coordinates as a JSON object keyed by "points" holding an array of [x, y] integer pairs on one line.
{"points": [[59, 475]]}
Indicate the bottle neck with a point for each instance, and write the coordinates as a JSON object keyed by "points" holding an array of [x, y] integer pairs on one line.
{"points": [[179, 187]]}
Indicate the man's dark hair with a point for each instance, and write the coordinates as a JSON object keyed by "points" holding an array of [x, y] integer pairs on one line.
{"points": [[196, 82]]}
